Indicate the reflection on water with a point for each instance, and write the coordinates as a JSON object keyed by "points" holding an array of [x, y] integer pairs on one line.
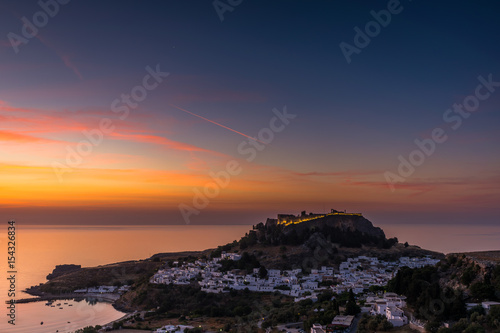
{"points": [[447, 238], [61, 315]]}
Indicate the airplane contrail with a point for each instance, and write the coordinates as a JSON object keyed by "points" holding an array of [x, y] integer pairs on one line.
{"points": [[216, 123]]}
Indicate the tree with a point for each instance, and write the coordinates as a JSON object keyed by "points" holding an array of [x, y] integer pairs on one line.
{"points": [[474, 328], [432, 326], [482, 291], [494, 316], [335, 306], [468, 276], [262, 272], [458, 308], [351, 296], [373, 323], [89, 329], [351, 307]]}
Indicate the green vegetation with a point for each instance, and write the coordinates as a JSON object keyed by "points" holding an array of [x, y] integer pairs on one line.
{"points": [[284, 310], [89, 329], [469, 275], [114, 274], [172, 301], [424, 294], [351, 308], [262, 272], [247, 262], [476, 322], [483, 291], [235, 307], [373, 323], [436, 303], [483, 283]]}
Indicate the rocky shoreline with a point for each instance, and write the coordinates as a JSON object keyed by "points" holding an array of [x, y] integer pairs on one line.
{"points": [[111, 298]]}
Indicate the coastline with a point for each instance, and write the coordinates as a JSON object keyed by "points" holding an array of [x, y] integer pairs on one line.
{"points": [[126, 316], [138, 270], [49, 297], [114, 297]]}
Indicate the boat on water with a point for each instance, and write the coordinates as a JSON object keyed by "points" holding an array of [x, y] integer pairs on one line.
{"points": [[58, 304]]}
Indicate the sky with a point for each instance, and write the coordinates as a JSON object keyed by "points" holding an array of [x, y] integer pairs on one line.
{"points": [[228, 112]]}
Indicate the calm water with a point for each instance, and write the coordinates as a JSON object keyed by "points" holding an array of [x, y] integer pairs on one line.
{"points": [[40, 249], [64, 318], [447, 238]]}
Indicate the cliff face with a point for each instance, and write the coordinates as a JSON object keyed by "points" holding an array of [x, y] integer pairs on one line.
{"points": [[63, 269], [344, 223]]}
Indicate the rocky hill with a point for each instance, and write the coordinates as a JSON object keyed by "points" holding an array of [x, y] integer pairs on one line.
{"points": [[62, 270], [326, 240], [477, 274], [438, 294], [343, 223]]}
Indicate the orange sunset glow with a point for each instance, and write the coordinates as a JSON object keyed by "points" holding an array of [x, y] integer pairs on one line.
{"points": [[137, 167]]}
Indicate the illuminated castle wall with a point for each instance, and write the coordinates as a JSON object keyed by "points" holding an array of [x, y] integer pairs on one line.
{"points": [[287, 219]]}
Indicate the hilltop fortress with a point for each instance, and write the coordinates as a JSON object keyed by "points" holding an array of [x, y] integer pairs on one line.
{"points": [[289, 219]]}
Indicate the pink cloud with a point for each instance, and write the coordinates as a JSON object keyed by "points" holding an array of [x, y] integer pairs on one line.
{"points": [[337, 174], [159, 140], [32, 121], [64, 57], [22, 138]]}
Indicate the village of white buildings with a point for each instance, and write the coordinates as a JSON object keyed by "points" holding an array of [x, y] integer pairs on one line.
{"points": [[356, 274]]}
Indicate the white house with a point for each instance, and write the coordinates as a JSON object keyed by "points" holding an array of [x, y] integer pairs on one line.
{"points": [[487, 305], [396, 316], [173, 329], [317, 328]]}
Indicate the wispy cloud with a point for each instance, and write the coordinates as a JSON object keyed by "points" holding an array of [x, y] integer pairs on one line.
{"points": [[67, 61], [337, 173], [34, 125], [22, 138], [65, 58], [159, 140]]}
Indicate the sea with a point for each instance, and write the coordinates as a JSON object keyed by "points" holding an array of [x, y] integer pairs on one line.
{"points": [[40, 248]]}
